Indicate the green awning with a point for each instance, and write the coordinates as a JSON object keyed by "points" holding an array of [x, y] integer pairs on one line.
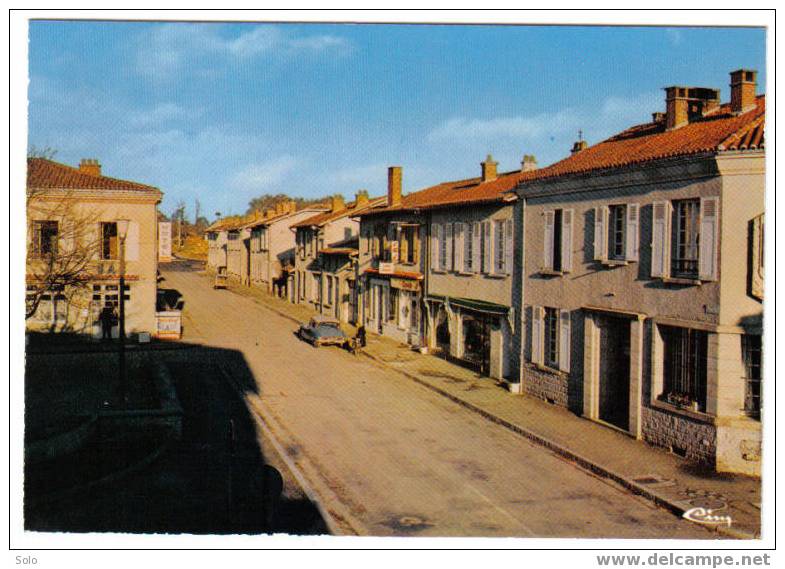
{"points": [[472, 304]]}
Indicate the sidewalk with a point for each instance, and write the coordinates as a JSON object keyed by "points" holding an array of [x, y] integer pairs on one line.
{"points": [[653, 473]]}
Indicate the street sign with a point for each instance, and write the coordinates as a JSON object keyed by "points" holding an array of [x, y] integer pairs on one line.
{"points": [[386, 268]]}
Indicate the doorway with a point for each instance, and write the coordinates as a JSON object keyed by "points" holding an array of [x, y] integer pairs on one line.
{"points": [[614, 371], [477, 343]]}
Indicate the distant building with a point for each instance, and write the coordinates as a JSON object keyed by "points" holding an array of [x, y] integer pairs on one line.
{"points": [[325, 275], [75, 218], [642, 277]]}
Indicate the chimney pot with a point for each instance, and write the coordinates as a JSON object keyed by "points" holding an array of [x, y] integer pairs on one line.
{"points": [[90, 166], [742, 90], [528, 163], [578, 146], [488, 169], [394, 186]]}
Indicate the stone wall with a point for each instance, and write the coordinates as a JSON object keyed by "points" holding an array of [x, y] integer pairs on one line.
{"points": [[695, 440], [552, 387]]}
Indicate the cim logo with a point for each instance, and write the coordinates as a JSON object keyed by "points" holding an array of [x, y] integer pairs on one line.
{"points": [[706, 516]]}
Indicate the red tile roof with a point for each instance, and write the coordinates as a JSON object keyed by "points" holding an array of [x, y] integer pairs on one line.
{"points": [[46, 174], [718, 131], [460, 192], [351, 209]]}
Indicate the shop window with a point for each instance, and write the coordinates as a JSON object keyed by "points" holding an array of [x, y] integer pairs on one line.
{"points": [[684, 367], [752, 355]]}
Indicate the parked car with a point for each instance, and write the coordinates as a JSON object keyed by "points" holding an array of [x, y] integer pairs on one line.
{"points": [[323, 331]]}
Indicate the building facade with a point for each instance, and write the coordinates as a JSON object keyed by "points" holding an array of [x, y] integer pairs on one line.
{"points": [[642, 298], [325, 263], [75, 220]]}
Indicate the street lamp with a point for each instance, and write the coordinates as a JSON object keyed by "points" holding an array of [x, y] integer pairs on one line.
{"points": [[122, 232]]}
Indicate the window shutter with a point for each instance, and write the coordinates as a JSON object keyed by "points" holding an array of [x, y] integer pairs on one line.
{"points": [[537, 335], [601, 233], [548, 241], [132, 242], [416, 252], [67, 236], [476, 237], [458, 251], [448, 265], [707, 255], [631, 245], [509, 244], [660, 239], [566, 240], [564, 340], [487, 247], [435, 242]]}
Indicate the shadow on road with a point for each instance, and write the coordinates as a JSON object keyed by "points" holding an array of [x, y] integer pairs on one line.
{"points": [[214, 479]]}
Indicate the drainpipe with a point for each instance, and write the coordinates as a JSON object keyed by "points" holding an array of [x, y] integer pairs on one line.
{"points": [[425, 323]]}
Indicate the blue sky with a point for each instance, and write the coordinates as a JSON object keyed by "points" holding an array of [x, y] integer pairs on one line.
{"points": [[225, 112]]}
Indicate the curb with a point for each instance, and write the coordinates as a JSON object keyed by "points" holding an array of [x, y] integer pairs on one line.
{"points": [[299, 477], [673, 506]]}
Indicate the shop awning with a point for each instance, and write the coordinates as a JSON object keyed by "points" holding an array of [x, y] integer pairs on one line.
{"points": [[472, 304]]}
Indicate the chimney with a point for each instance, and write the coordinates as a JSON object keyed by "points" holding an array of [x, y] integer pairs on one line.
{"points": [[361, 199], [685, 104], [394, 185], [337, 203], [657, 117], [528, 163], [578, 146], [488, 169], [90, 166], [742, 90]]}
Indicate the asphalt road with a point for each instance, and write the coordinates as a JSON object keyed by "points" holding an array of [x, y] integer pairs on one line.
{"points": [[389, 457]]}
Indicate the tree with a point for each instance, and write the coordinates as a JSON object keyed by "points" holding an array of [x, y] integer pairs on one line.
{"points": [[266, 201], [62, 244]]}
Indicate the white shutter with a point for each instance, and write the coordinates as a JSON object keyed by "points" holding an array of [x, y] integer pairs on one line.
{"points": [[487, 247], [537, 334], [458, 250], [448, 235], [476, 238], [564, 340], [660, 239], [548, 241], [600, 233], [435, 242], [707, 255], [631, 245], [132, 242], [566, 240], [509, 244]]}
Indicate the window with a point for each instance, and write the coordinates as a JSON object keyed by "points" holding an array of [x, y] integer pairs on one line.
{"points": [[686, 234], [684, 367], [408, 244], [45, 236], [379, 241], [468, 244], [443, 247], [616, 233], [316, 290], [392, 304], [499, 250], [551, 352], [558, 241], [752, 356], [109, 241]]}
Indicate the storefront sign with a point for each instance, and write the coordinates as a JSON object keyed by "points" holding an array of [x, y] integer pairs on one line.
{"points": [[405, 284], [386, 268], [167, 324], [164, 240]]}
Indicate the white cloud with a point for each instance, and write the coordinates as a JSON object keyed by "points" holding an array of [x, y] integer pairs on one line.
{"points": [[168, 49], [162, 113], [524, 127], [265, 175]]}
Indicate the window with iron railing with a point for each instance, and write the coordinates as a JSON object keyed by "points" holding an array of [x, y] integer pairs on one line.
{"points": [[684, 367], [752, 355]]}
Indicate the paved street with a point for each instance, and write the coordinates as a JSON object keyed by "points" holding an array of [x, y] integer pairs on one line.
{"points": [[389, 457]]}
